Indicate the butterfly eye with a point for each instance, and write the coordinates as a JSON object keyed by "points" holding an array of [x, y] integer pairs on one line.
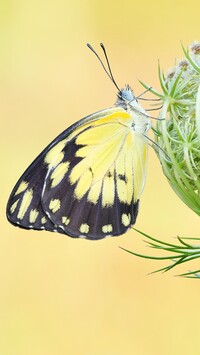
{"points": [[127, 95]]}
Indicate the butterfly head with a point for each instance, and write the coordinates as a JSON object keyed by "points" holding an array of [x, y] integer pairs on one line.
{"points": [[125, 97], [128, 101]]}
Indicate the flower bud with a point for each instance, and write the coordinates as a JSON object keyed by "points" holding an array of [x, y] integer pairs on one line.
{"points": [[178, 129]]}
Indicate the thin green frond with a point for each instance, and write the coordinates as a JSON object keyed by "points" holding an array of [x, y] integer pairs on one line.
{"points": [[187, 55], [162, 81], [153, 91], [177, 253]]}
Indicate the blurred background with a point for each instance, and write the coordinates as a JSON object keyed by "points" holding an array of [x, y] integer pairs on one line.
{"points": [[64, 296]]}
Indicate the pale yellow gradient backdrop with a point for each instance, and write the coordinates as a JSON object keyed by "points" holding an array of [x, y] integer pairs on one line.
{"points": [[64, 296]]}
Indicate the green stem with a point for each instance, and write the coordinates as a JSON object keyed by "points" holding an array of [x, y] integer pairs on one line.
{"points": [[198, 112]]}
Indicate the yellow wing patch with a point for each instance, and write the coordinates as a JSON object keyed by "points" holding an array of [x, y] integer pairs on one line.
{"points": [[33, 215], [22, 187], [112, 154], [26, 201], [59, 173], [55, 155], [99, 155], [54, 205]]}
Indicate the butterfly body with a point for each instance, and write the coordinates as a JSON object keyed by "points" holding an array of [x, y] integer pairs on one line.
{"points": [[88, 181]]}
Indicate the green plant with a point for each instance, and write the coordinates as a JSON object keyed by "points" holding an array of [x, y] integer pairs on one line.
{"points": [[177, 133]]}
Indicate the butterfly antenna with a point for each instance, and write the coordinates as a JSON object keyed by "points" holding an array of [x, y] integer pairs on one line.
{"points": [[109, 73], [109, 67]]}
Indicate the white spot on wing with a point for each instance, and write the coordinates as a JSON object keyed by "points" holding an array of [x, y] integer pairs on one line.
{"points": [[126, 219], [107, 228], [43, 220], [84, 228], [65, 220]]}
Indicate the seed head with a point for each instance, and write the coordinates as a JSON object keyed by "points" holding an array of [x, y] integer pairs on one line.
{"points": [[178, 134]]}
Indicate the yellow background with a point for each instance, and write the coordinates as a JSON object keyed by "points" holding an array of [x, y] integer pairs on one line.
{"points": [[64, 296]]}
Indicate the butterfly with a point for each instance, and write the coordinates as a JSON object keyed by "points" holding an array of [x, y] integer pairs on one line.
{"points": [[87, 182]]}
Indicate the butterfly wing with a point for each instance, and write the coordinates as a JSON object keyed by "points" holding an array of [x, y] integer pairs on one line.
{"points": [[24, 207], [87, 182]]}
